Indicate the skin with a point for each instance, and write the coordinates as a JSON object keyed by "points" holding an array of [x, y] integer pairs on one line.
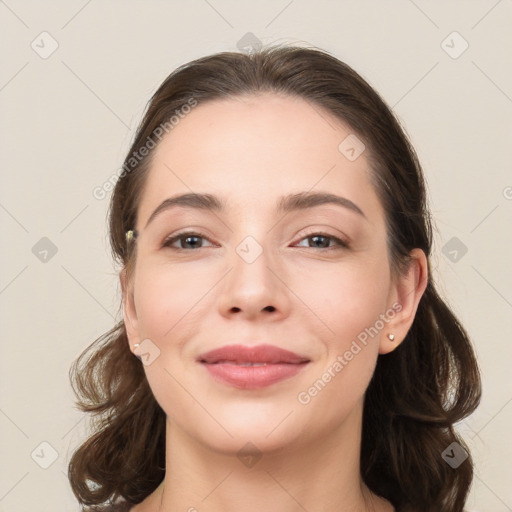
{"points": [[251, 151]]}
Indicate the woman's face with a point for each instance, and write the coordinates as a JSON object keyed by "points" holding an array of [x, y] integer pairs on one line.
{"points": [[255, 274]]}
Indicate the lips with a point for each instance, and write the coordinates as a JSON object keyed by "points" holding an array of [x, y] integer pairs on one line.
{"points": [[244, 355], [252, 368]]}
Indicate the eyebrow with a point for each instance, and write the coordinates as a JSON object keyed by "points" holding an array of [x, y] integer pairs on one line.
{"points": [[286, 204]]}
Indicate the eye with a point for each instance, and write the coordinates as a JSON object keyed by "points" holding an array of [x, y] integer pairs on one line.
{"points": [[189, 237], [323, 238], [193, 239]]}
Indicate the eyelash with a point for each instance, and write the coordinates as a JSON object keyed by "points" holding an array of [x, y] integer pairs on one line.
{"points": [[170, 240]]}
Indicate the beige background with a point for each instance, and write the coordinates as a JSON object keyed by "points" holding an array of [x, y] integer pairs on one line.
{"points": [[67, 121]]}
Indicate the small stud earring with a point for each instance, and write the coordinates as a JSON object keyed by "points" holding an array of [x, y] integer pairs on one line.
{"points": [[391, 337]]}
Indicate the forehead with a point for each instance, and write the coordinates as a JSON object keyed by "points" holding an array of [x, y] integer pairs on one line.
{"points": [[254, 149]]}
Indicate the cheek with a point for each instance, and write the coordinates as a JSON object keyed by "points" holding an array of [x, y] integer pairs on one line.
{"points": [[169, 310], [345, 300], [352, 309], [167, 300], [350, 306]]}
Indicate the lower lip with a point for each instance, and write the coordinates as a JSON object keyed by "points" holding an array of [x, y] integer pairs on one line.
{"points": [[253, 377]]}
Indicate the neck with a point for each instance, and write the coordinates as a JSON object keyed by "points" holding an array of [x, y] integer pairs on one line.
{"points": [[320, 475]]}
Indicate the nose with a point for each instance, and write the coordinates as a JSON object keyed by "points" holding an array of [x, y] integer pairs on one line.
{"points": [[254, 289]]}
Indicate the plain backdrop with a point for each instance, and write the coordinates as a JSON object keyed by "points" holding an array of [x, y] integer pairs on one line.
{"points": [[74, 81]]}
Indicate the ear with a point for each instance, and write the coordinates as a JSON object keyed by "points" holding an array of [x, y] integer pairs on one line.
{"points": [[405, 296], [129, 312]]}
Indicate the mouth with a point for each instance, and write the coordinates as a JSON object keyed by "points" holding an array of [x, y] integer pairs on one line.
{"points": [[254, 367]]}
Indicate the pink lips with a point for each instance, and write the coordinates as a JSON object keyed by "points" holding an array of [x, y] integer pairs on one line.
{"points": [[253, 367]]}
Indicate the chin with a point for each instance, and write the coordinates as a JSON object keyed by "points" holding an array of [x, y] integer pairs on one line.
{"points": [[267, 428], [249, 441]]}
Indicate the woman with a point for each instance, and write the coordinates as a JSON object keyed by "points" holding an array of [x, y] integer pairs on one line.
{"points": [[283, 346]]}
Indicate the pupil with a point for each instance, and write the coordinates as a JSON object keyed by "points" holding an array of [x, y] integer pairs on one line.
{"points": [[316, 237], [191, 238]]}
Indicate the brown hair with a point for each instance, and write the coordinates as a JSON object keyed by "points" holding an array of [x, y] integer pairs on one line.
{"points": [[418, 391]]}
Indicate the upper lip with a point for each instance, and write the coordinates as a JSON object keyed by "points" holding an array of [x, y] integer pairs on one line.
{"points": [[251, 354]]}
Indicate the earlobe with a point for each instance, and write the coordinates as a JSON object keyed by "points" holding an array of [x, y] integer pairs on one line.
{"points": [[407, 292]]}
